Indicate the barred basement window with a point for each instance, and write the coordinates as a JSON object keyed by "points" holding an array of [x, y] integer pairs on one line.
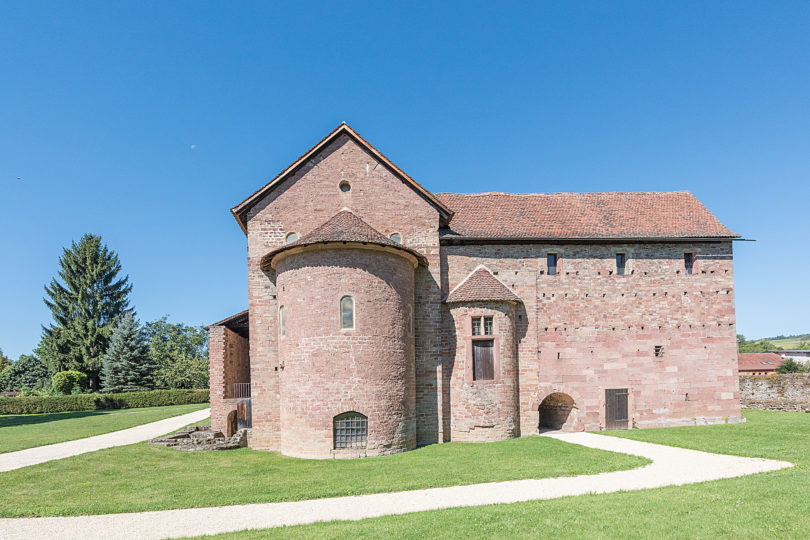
{"points": [[350, 430], [659, 351]]}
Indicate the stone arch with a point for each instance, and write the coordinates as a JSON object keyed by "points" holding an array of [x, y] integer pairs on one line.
{"points": [[557, 411]]}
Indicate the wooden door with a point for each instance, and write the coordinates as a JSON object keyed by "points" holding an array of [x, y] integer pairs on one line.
{"points": [[483, 360], [616, 416]]}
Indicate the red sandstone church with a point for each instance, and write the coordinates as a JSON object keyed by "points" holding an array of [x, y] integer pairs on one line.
{"points": [[382, 316]]}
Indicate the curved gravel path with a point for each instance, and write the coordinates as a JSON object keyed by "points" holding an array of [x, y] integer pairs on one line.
{"points": [[671, 466], [40, 454]]}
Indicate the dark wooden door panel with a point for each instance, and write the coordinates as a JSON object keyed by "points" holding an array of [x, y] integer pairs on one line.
{"points": [[616, 414], [483, 360]]}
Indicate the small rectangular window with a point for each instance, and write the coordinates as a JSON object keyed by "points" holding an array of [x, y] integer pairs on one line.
{"points": [[482, 326], [551, 262], [659, 351], [282, 322], [487, 326], [621, 259], [688, 262]]}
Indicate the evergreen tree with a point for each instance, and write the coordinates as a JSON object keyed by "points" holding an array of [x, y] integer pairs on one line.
{"points": [[127, 364], [86, 305]]}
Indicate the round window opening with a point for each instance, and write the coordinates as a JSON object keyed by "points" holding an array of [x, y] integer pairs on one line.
{"points": [[396, 237], [290, 238], [345, 186]]}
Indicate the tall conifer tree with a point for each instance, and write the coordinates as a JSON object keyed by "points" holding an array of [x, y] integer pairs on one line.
{"points": [[86, 305], [127, 364]]}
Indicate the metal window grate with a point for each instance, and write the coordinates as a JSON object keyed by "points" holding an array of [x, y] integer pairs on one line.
{"points": [[350, 430], [659, 351], [241, 390]]}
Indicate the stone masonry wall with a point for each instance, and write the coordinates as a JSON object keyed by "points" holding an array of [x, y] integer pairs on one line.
{"points": [[484, 410], [587, 329], [784, 392], [228, 363], [306, 200], [327, 370]]}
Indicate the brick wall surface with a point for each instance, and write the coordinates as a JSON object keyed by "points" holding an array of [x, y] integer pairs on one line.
{"points": [[587, 329], [327, 370], [484, 410], [784, 392], [228, 363]]}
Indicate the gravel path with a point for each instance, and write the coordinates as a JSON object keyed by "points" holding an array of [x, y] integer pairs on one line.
{"points": [[144, 432], [671, 466]]}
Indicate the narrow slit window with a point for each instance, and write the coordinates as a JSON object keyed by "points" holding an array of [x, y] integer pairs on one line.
{"points": [[350, 430], [621, 261], [282, 322], [551, 263], [688, 262], [347, 312]]}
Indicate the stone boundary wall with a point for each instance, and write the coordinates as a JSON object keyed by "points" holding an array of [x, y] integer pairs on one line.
{"points": [[788, 392]]}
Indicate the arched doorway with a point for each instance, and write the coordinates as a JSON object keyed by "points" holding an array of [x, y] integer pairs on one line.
{"points": [[555, 411]]}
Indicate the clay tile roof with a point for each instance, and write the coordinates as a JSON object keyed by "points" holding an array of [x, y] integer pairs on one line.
{"points": [[481, 286], [676, 214], [767, 361], [343, 227]]}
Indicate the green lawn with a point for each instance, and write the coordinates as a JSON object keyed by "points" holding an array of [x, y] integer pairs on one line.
{"points": [[769, 505], [143, 477], [21, 431]]}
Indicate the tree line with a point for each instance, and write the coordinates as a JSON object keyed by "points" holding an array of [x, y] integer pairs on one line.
{"points": [[95, 342]]}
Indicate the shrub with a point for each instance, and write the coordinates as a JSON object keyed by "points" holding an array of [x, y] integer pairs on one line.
{"points": [[90, 402], [26, 373], [64, 381]]}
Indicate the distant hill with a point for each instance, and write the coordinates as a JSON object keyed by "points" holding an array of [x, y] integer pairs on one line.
{"points": [[799, 341]]}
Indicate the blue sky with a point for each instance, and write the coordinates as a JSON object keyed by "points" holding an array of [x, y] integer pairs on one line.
{"points": [[145, 122]]}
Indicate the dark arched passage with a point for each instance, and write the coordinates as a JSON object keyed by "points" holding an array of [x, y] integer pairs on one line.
{"points": [[555, 411]]}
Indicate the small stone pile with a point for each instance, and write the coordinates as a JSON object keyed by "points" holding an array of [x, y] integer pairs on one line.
{"points": [[196, 438]]}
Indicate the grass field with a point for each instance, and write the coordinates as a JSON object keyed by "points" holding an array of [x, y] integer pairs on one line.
{"points": [[790, 343], [769, 505], [143, 477], [21, 431]]}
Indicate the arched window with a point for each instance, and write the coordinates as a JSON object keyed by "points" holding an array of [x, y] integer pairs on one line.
{"points": [[396, 237], [290, 238], [350, 430], [282, 322], [346, 312]]}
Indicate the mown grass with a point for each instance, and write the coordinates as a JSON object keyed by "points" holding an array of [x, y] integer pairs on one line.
{"points": [[143, 477], [20, 431], [768, 505]]}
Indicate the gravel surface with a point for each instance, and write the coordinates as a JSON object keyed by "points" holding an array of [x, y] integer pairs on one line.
{"points": [[671, 466], [144, 432]]}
